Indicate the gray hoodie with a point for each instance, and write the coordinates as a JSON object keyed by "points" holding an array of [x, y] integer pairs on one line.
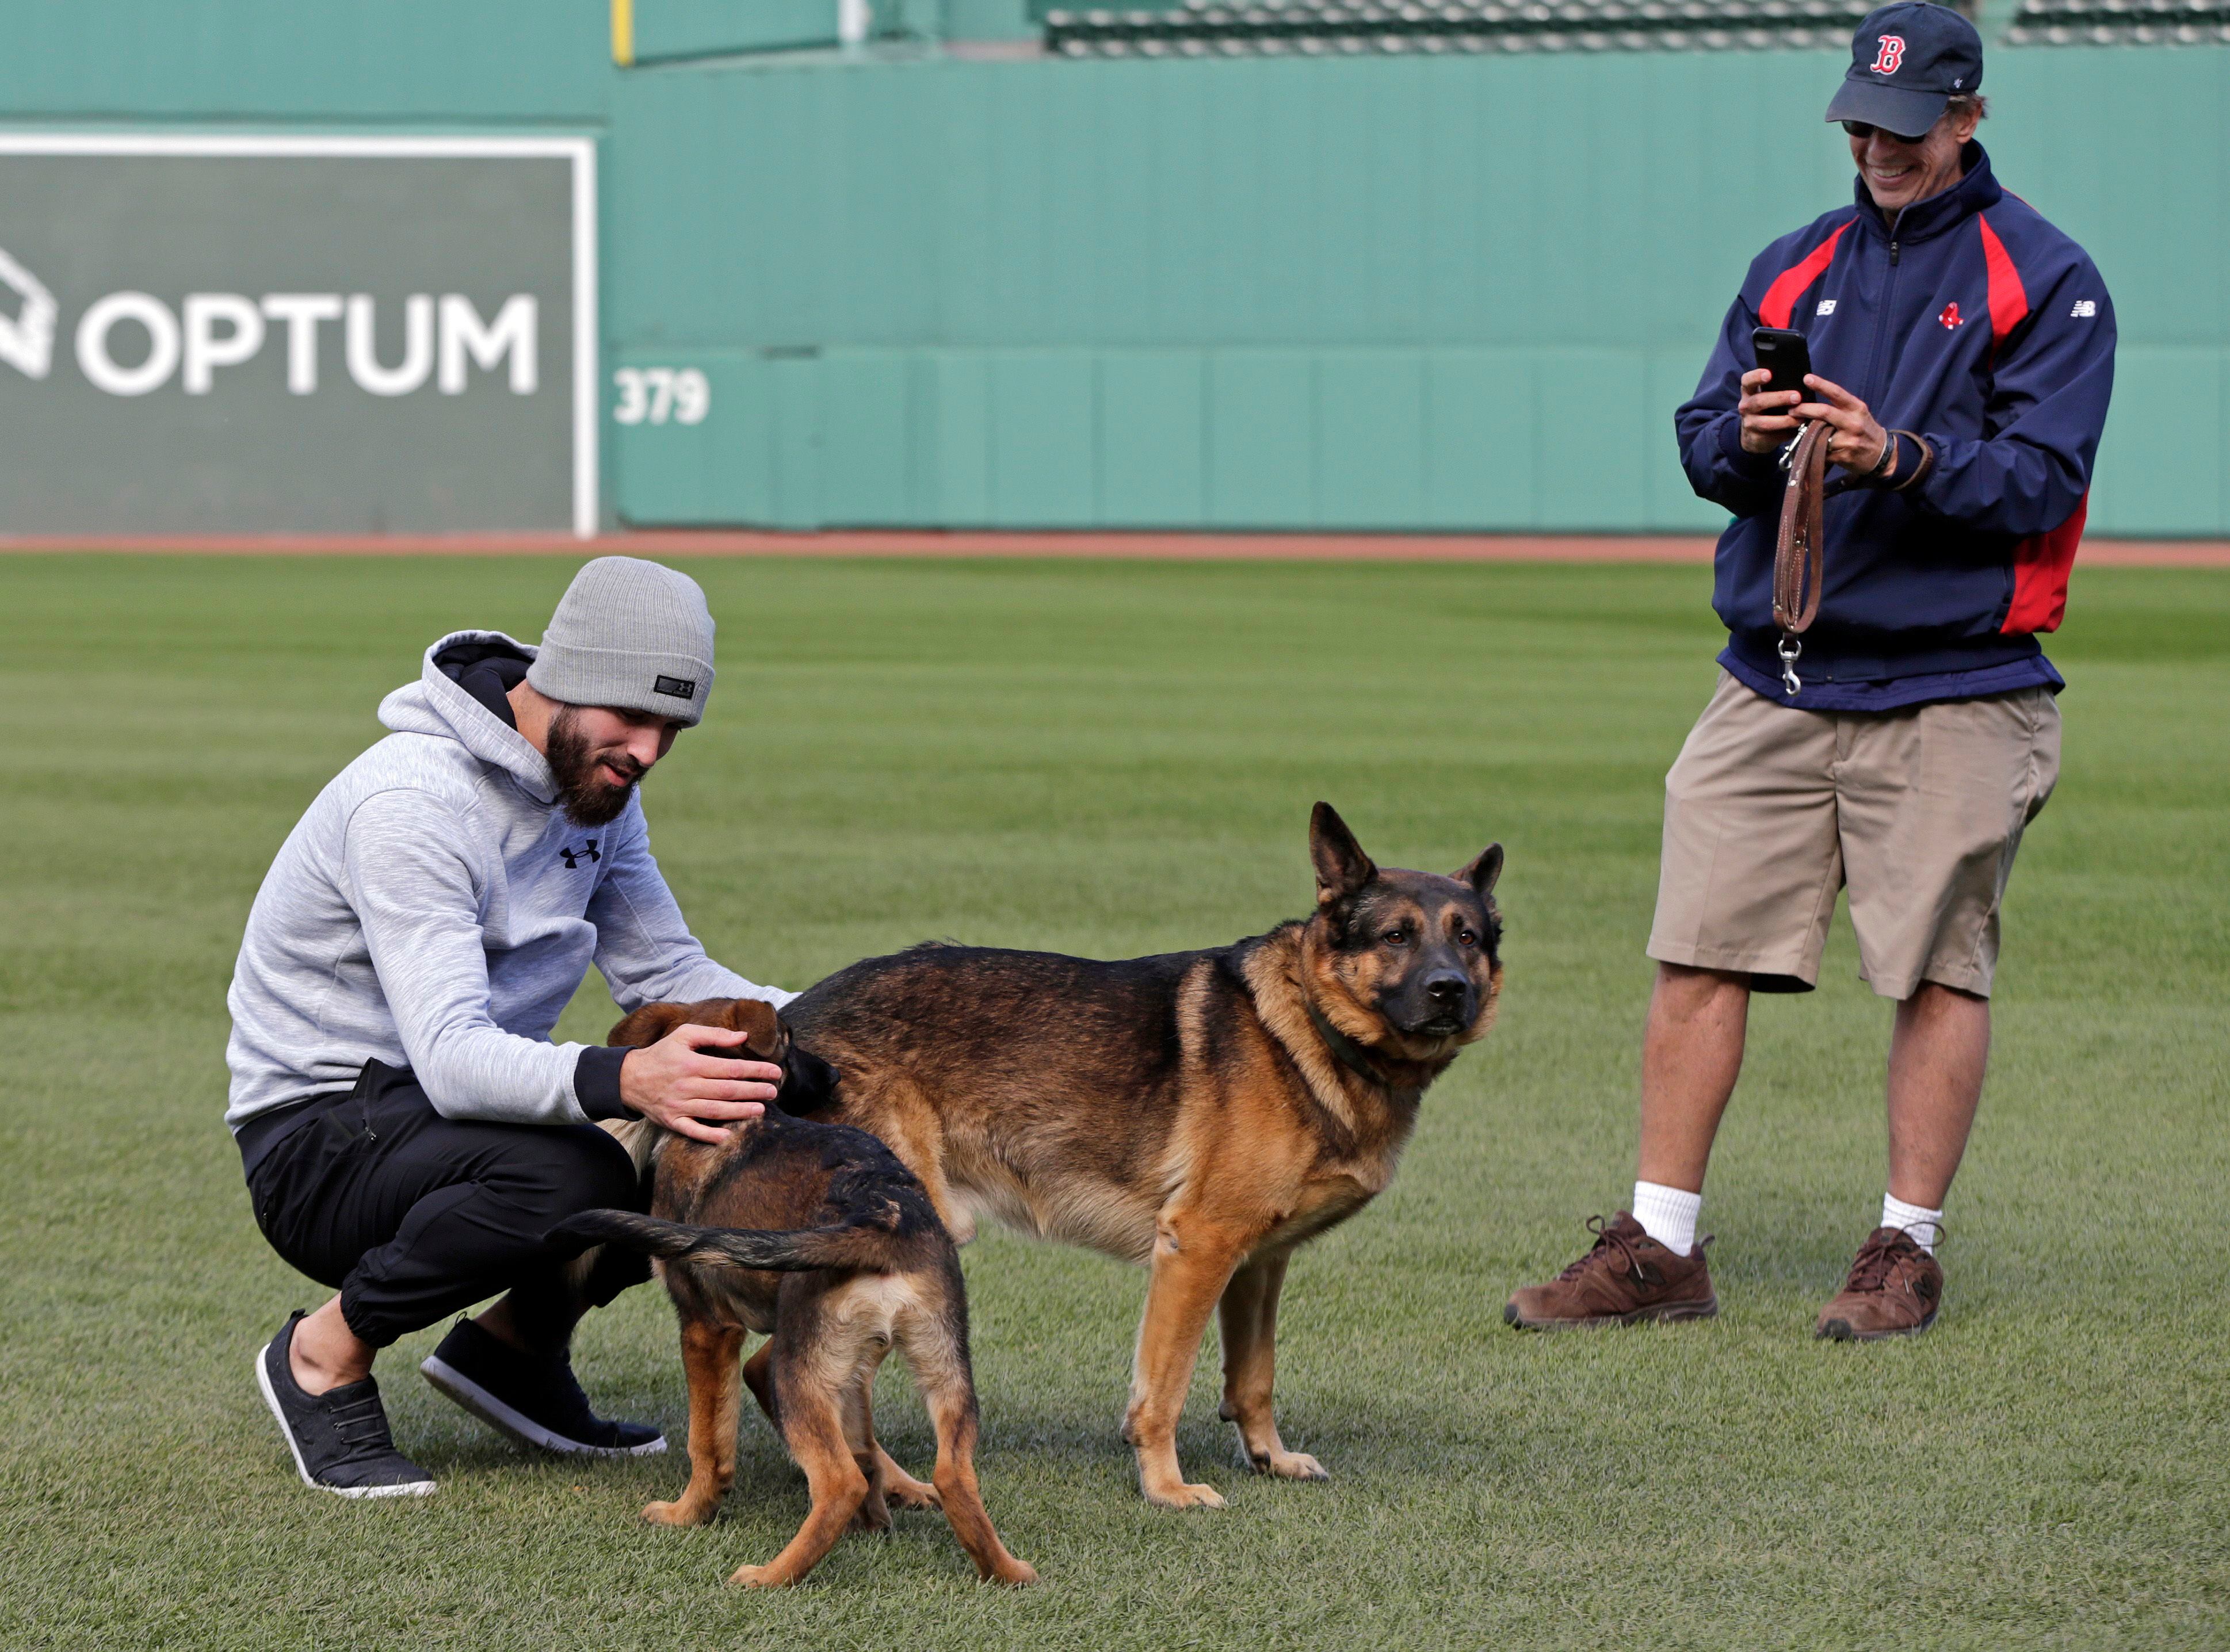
{"points": [[434, 909]]}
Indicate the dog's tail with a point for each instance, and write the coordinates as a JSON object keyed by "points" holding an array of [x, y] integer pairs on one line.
{"points": [[867, 1248]]}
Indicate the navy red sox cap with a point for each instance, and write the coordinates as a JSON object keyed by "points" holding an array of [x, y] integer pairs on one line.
{"points": [[1907, 61]]}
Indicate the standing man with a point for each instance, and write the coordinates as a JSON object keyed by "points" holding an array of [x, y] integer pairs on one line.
{"points": [[1963, 351], [407, 1130]]}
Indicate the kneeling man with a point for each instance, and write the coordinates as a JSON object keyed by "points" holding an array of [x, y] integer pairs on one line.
{"points": [[407, 1130]]}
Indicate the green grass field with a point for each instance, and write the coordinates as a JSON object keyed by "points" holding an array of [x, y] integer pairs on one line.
{"points": [[1114, 760]]}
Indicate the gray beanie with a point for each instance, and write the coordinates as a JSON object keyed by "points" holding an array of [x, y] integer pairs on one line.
{"points": [[630, 633]]}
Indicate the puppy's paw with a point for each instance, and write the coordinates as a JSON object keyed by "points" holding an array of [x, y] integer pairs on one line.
{"points": [[1290, 1465], [912, 1493], [754, 1578], [1179, 1495], [1013, 1573], [675, 1514]]}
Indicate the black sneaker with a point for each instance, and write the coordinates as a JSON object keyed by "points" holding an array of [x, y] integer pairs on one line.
{"points": [[535, 1400], [339, 1438]]}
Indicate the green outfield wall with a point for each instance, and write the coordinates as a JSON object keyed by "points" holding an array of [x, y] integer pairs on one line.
{"points": [[944, 285]]}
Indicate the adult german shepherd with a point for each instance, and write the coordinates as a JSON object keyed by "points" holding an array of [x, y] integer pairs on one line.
{"points": [[813, 1232], [1201, 1112]]}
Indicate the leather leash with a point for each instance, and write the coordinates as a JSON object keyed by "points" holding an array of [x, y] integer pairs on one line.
{"points": [[1800, 549]]}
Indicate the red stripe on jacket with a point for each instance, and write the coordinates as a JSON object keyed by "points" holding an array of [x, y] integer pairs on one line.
{"points": [[2042, 564], [1780, 301], [2043, 561], [2008, 298]]}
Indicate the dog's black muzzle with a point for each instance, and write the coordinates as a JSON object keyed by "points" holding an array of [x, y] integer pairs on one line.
{"points": [[1441, 1004]]}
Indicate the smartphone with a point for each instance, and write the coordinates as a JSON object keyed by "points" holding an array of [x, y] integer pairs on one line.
{"points": [[1785, 353]]}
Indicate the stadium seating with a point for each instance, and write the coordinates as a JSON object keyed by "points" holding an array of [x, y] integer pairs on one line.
{"points": [[2114, 23], [1339, 27], [1322, 28]]}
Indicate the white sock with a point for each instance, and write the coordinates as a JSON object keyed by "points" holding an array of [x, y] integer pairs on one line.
{"points": [[1667, 1215], [1926, 1226]]}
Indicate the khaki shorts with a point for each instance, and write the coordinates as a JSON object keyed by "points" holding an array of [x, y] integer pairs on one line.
{"points": [[1769, 811]]}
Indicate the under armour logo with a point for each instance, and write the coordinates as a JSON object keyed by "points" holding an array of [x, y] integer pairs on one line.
{"points": [[1951, 318], [573, 857]]}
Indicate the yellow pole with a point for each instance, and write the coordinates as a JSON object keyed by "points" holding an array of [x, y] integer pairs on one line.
{"points": [[623, 32]]}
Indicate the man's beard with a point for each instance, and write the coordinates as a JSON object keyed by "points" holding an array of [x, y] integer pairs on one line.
{"points": [[583, 792]]}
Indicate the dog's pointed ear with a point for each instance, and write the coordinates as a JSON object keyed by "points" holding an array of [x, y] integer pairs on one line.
{"points": [[1484, 869], [1342, 867]]}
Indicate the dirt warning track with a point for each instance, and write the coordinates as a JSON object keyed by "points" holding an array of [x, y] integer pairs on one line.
{"points": [[1150, 547]]}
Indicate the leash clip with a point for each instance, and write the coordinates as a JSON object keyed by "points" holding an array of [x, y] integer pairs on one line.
{"points": [[1791, 684]]}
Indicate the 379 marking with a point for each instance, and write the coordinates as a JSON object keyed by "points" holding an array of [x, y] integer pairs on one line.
{"points": [[655, 395]]}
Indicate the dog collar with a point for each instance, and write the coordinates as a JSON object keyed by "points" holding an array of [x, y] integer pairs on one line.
{"points": [[1348, 1051]]}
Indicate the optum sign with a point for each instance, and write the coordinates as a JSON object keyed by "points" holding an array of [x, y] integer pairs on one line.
{"points": [[226, 329], [297, 334]]}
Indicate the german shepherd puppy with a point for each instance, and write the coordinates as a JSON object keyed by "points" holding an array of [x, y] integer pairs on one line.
{"points": [[1202, 1113], [812, 1233]]}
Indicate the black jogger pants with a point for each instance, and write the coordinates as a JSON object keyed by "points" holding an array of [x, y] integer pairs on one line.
{"points": [[413, 1216]]}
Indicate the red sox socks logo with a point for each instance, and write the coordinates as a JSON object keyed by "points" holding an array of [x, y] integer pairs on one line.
{"points": [[1891, 54], [1951, 318]]}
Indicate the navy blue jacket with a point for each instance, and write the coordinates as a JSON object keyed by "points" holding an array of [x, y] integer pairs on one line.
{"points": [[1988, 331]]}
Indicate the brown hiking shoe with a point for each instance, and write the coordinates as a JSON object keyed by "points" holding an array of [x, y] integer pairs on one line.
{"points": [[1894, 1289], [1626, 1278]]}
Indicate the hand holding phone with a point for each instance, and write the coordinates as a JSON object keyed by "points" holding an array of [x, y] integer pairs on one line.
{"points": [[1783, 358], [1786, 355]]}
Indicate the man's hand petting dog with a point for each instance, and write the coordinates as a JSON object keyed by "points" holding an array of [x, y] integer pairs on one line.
{"points": [[673, 1085]]}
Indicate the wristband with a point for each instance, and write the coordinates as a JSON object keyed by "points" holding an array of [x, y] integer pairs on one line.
{"points": [[1886, 466], [1919, 470]]}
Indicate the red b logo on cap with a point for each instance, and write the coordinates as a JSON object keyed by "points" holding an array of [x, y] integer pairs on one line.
{"points": [[1891, 54]]}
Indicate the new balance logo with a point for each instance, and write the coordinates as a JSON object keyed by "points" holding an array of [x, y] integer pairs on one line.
{"points": [[1827, 307], [2084, 308], [573, 857]]}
